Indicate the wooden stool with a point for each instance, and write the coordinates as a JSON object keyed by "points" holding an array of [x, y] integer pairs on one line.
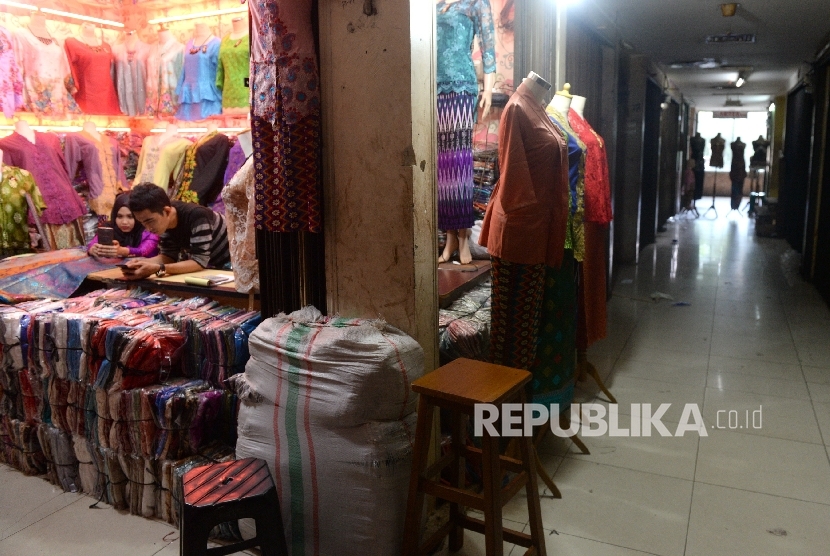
{"points": [[220, 492], [458, 386]]}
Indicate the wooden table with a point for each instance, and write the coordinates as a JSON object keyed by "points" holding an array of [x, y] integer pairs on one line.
{"points": [[175, 286], [454, 280]]}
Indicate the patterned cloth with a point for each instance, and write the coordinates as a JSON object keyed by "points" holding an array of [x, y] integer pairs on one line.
{"points": [[234, 67], [576, 178], [11, 79], [456, 25], [554, 366], [597, 183], [164, 66], [285, 126], [45, 72], [14, 211], [518, 290], [131, 77], [456, 112]]}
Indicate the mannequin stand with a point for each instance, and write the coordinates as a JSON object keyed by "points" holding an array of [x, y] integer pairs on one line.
{"points": [[754, 187], [714, 194], [585, 368]]}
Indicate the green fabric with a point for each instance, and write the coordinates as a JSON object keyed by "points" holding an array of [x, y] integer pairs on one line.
{"points": [[554, 369], [233, 68], [14, 212], [296, 341]]}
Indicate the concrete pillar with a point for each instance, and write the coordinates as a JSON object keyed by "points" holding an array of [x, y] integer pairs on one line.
{"points": [[629, 171], [378, 95]]}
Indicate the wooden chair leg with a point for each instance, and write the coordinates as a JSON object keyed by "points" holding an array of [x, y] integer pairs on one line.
{"points": [[457, 477], [594, 373], [534, 510], [415, 500], [491, 474]]}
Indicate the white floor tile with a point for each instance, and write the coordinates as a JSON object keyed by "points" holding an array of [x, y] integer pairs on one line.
{"points": [[560, 544], [755, 367], [768, 465], [785, 388], [726, 522]]}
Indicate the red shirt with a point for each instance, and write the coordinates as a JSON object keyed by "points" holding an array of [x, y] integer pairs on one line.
{"points": [[527, 215], [597, 183]]}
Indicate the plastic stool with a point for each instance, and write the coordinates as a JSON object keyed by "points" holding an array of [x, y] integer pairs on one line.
{"points": [[220, 492], [458, 386]]}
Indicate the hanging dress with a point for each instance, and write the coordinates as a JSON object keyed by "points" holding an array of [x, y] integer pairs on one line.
{"points": [[196, 91]]}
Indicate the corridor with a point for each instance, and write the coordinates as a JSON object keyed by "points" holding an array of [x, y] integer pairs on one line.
{"points": [[754, 335]]}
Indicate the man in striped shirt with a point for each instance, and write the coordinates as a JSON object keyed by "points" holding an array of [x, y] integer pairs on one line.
{"points": [[193, 237]]}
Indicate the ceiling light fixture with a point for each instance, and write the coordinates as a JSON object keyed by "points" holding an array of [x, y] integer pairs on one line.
{"points": [[82, 17], [740, 82], [728, 10]]}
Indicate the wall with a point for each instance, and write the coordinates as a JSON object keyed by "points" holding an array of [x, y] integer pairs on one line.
{"points": [[378, 102]]}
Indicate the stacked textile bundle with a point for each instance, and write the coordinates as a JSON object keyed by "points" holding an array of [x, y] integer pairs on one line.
{"points": [[340, 391], [464, 327], [105, 393], [485, 176]]}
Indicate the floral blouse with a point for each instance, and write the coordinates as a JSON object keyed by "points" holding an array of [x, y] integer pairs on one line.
{"points": [[14, 226], [45, 74], [164, 66], [456, 25], [11, 79]]}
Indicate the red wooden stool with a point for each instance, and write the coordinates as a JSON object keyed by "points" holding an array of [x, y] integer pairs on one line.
{"points": [[220, 492], [458, 386]]}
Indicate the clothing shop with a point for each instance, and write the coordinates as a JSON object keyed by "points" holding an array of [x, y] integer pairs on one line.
{"points": [[248, 248]]}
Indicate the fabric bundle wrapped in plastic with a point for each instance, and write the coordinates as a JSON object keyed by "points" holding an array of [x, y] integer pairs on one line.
{"points": [[61, 462], [66, 334], [464, 327], [90, 467], [31, 389], [10, 334], [58, 395], [147, 356], [177, 407], [142, 484], [11, 402], [340, 391], [27, 454], [116, 479], [75, 408]]}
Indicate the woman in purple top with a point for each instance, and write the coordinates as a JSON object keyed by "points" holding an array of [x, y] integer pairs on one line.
{"points": [[131, 239]]}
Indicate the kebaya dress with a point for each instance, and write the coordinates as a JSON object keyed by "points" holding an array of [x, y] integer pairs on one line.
{"points": [[164, 66], [131, 77], [457, 25], [92, 71], [196, 90], [234, 66], [11, 79], [45, 72]]}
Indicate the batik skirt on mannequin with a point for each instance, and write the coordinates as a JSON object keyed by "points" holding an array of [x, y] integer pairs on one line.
{"points": [[518, 290], [456, 117], [554, 367]]}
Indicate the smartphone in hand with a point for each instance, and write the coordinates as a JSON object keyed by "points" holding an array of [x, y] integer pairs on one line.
{"points": [[125, 269], [105, 235]]}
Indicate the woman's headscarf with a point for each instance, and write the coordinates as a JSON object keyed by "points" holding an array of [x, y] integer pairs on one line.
{"points": [[132, 238]]}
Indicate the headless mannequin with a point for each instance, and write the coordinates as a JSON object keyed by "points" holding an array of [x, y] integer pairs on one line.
{"points": [[169, 133], [88, 36], [22, 128], [37, 25], [131, 40], [537, 86], [164, 36], [561, 101], [90, 128], [245, 141], [201, 33], [578, 105], [212, 126], [240, 28], [459, 239]]}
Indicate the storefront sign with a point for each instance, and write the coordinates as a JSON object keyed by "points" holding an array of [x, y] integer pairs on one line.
{"points": [[728, 114], [729, 37]]}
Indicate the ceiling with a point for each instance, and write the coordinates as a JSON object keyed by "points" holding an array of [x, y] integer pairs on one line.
{"points": [[788, 33]]}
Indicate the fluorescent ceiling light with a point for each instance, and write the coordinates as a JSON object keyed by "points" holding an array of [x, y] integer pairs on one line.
{"points": [[184, 17], [82, 17], [740, 82], [18, 5]]}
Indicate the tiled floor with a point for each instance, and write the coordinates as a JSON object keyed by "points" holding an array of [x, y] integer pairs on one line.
{"points": [[753, 336]]}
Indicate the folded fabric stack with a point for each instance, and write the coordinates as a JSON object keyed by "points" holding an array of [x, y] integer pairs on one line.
{"points": [[464, 327], [328, 401], [118, 393]]}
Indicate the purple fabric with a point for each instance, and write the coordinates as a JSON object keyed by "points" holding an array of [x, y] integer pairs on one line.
{"points": [[149, 246], [44, 160], [236, 158], [79, 150]]}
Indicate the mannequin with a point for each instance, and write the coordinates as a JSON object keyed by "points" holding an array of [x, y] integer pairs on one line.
{"points": [[164, 67], [561, 101], [37, 25], [245, 142], [759, 155], [201, 32], [91, 128], [88, 35], [537, 86], [717, 143], [198, 96], [458, 22], [591, 287], [131, 39], [240, 28], [737, 173], [164, 35], [168, 133], [212, 127], [578, 105], [698, 145], [22, 127]]}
